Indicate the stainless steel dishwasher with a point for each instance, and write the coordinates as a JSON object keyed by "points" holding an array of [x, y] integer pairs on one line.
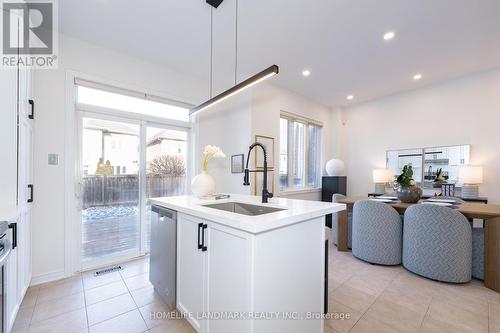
{"points": [[163, 253]]}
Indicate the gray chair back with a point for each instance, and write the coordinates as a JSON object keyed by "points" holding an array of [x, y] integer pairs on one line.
{"points": [[437, 243], [377, 233]]}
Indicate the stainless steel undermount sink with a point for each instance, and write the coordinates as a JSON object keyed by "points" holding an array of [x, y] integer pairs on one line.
{"points": [[243, 208]]}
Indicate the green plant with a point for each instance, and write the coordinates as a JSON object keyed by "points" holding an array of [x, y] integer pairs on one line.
{"points": [[405, 178], [439, 175]]}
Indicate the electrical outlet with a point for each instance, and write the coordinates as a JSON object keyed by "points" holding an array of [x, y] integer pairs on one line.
{"points": [[53, 159]]}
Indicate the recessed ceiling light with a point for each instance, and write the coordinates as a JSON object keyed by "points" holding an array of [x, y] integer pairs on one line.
{"points": [[306, 72], [389, 35], [350, 97], [417, 77]]}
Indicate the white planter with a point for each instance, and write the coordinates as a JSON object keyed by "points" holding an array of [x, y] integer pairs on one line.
{"points": [[203, 185]]}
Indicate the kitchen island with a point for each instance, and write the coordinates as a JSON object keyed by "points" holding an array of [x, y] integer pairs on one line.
{"points": [[244, 266]]}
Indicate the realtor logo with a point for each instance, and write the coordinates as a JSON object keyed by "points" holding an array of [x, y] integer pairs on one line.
{"points": [[29, 33]]}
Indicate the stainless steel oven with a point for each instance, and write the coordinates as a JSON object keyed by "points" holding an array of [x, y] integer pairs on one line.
{"points": [[5, 248]]}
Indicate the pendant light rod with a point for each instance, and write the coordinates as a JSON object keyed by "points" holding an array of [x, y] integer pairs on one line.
{"points": [[257, 78], [211, 51], [236, 46]]}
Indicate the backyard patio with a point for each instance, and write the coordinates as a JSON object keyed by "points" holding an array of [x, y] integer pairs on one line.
{"points": [[110, 213]]}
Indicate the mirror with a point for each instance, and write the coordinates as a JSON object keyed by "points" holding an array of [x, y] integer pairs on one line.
{"points": [[397, 159], [432, 166]]}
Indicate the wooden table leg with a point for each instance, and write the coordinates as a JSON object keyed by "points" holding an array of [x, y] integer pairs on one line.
{"points": [[342, 230], [492, 254]]}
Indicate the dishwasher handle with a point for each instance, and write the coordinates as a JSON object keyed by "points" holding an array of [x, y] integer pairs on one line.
{"points": [[164, 212]]}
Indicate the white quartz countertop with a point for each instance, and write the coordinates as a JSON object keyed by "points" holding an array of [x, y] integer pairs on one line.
{"points": [[295, 211]]}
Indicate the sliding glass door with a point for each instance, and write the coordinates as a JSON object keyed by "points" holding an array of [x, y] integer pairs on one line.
{"points": [[166, 171], [110, 201], [123, 164]]}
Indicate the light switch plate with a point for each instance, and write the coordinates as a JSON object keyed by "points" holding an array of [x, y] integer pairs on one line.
{"points": [[53, 159]]}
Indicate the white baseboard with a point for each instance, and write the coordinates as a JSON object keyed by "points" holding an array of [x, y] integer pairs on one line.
{"points": [[47, 277]]}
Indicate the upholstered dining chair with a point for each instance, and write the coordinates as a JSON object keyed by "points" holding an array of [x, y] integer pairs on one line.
{"points": [[335, 198], [377, 233], [477, 244], [437, 243]]}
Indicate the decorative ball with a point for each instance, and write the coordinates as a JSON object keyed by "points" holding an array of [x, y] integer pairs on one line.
{"points": [[335, 167]]}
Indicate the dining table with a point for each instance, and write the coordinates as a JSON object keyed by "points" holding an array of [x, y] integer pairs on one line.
{"points": [[490, 213]]}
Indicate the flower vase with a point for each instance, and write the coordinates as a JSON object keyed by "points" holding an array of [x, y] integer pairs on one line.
{"points": [[203, 185]]}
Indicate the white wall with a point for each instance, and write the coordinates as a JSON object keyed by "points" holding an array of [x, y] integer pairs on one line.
{"points": [[463, 111], [269, 101], [228, 126], [233, 124], [50, 97]]}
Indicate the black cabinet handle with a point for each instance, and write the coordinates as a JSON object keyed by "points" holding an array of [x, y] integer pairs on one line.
{"points": [[200, 226], [203, 248], [30, 187], [13, 226], [32, 104]]}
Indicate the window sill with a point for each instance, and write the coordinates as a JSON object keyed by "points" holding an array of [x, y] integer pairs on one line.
{"points": [[300, 191]]}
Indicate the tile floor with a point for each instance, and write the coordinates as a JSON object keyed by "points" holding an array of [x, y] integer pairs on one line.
{"points": [[383, 299], [375, 299], [115, 302]]}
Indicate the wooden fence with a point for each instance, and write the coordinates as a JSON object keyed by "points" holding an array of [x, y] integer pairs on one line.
{"points": [[124, 189]]}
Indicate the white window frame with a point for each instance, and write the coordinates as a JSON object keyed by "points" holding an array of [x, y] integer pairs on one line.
{"points": [[72, 262], [291, 118]]}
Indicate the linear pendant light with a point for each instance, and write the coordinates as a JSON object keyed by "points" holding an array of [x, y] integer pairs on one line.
{"points": [[237, 88], [265, 74]]}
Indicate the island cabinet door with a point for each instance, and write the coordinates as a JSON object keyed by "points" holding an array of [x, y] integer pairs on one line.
{"points": [[190, 270], [229, 279]]}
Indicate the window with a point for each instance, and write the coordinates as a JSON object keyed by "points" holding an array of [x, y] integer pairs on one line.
{"points": [[142, 104], [300, 153]]}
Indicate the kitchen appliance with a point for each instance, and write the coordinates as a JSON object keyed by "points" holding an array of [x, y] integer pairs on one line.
{"points": [[5, 248], [163, 253]]}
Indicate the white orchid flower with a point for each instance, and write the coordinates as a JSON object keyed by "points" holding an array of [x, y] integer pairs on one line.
{"points": [[211, 152]]}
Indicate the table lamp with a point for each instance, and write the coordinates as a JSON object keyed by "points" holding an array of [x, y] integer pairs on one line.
{"points": [[471, 177], [381, 177]]}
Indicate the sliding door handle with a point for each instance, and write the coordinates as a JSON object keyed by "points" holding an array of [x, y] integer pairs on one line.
{"points": [[30, 187], [203, 247], [200, 244]]}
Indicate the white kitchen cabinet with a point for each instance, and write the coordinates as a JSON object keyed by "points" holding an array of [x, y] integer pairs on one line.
{"points": [[190, 269], [213, 273], [8, 136], [455, 155], [16, 134], [223, 271], [228, 277]]}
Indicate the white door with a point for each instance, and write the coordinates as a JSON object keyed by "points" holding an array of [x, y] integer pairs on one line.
{"points": [[190, 268], [228, 278]]}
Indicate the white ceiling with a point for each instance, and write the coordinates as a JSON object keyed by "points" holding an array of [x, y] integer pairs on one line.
{"points": [[340, 41]]}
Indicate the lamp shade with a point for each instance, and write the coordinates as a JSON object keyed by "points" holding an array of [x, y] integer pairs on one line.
{"points": [[382, 176], [471, 175]]}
